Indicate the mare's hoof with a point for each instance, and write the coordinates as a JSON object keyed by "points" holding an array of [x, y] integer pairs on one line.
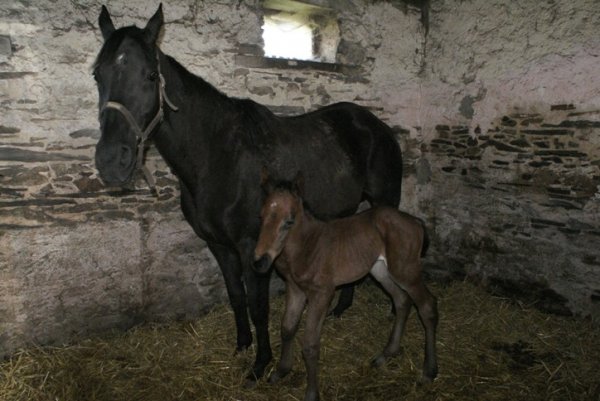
{"points": [[425, 380], [429, 374], [378, 361], [336, 313], [311, 397], [250, 383], [240, 349]]}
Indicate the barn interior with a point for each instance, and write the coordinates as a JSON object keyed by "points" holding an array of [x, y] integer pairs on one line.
{"points": [[496, 107]]}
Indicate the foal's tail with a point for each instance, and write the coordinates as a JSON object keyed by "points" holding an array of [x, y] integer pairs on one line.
{"points": [[425, 245]]}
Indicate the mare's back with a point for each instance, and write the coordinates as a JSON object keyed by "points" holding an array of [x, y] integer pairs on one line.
{"points": [[331, 152]]}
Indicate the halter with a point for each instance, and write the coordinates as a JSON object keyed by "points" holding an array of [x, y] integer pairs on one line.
{"points": [[140, 135]]}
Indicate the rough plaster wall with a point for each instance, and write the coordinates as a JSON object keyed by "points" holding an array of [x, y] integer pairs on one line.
{"points": [[511, 124], [77, 257], [496, 112]]}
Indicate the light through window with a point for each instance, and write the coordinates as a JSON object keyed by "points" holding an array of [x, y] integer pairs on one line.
{"points": [[299, 31], [287, 38]]}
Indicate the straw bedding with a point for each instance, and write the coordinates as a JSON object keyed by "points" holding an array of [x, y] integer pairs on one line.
{"points": [[489, 349]]}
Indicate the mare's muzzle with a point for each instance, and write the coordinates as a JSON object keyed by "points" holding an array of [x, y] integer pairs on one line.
{"points": [[115, 163], [262, 264]]}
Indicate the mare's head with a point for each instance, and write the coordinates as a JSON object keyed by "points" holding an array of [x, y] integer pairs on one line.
{"points": [[281, 212], [128, 79]]}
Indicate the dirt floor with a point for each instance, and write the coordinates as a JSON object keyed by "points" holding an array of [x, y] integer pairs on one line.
{"points": [[489, 348]]}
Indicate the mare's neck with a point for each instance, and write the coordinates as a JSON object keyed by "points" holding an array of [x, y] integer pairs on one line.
{"points": [[186, 135]]}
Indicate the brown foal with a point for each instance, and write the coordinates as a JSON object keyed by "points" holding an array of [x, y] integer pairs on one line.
{"points": [[315, 257]]}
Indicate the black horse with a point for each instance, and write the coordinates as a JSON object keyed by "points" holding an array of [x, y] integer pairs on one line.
{"points": [[217, 146]]}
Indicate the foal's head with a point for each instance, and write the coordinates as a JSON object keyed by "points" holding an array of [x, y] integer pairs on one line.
{"points": [[126, 72], [280, 213]]}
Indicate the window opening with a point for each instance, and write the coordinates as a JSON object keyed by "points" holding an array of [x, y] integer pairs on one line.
{"points": [[299, 31], [287, 36]]}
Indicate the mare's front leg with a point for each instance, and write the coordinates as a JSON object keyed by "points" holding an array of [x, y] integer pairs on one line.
{"points": [[294, 305], [318, 302], [229, 262], [257, 286]]}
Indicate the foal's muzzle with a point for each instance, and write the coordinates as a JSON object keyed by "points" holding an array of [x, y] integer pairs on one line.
{"points": [[262, 264]]}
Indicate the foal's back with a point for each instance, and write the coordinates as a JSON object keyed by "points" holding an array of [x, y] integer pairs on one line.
{"points": [[350, 246]]}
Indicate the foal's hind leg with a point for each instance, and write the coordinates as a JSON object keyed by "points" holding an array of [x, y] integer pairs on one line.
{"points": [[402, 305], [426, 305]]}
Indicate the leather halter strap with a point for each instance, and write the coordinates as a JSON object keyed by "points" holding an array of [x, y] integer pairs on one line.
{"points": [[143, 135]]}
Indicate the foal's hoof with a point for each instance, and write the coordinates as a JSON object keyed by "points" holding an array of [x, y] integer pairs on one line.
{"points": [[276, 376]]}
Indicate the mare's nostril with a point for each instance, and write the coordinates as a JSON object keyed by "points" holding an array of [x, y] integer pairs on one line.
{"points": [[125, 160], [262, 264]]}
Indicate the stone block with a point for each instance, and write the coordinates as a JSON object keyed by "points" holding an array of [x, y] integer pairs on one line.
{"points": [[61, 281], [182, 279], [5, 46]]}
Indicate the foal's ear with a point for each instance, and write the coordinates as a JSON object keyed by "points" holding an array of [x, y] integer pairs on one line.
{"points": [[153, 26], [265, 180], [106, 25], [299, 184]]}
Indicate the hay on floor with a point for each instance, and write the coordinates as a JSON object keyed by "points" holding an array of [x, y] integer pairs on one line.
{"points": [[488, 349]]}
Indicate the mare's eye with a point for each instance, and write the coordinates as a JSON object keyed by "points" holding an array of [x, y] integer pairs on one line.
{"points": [[95, 75], [153, 76]]}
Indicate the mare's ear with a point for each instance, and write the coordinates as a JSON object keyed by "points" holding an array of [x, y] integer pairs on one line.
{"points": [[106, 25], [153, 26], [265, 180], [299, 184]]}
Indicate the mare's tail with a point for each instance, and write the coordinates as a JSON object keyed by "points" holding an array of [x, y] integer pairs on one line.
{"points": [[425, 245]]}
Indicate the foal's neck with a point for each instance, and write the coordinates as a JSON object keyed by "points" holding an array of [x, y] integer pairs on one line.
{"points": [[307, 226]]}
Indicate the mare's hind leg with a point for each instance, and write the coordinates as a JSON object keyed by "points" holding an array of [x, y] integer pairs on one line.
{"points": [[384, 174], [344, 300], [294, 305], [402, 305]]}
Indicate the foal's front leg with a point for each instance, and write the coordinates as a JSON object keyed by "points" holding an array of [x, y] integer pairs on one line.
{"points": [[294, 305], [315, 315]]}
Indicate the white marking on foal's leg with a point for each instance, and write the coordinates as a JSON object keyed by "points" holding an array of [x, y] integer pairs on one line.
{"points": [[379, 270]]}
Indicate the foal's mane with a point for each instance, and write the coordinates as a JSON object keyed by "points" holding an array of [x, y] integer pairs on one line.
{"points": [[289, 186]]}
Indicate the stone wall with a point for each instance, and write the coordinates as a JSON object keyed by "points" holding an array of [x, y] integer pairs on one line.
{"points": [[511, 128], [78, 258]]}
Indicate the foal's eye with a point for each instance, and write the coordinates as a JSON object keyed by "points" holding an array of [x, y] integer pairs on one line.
{"points": [[288, 223], [153, 76]]}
